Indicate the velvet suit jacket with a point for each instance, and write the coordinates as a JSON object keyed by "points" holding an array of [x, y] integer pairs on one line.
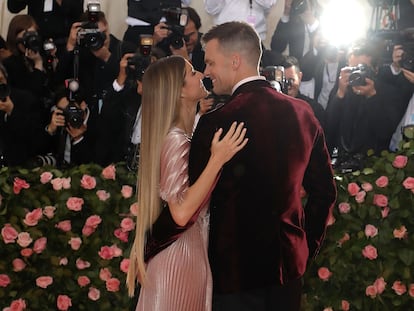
{"points": [[260, 233]]}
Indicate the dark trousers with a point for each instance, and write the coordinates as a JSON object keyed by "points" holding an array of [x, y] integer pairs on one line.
{"points": [[132, 34], [275, 298]]}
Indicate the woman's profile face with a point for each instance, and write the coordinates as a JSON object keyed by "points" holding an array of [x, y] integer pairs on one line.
{"points": [[193, 88]]}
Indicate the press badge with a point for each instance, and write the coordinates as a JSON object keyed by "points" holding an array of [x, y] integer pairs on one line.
{"points": [[48, 6]]}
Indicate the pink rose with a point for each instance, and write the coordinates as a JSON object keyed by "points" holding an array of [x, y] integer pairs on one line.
{"points": [[32, 218], [126, 191], [74, 204], [400, 233], [88, 182], [370, 252], [382, 181], [82, 264], [83, 281], [4, 280], [121, 235], [327, 309], [370, 231], [408, 183], [26, 252], [18, 305], [127, 224], [75, 243], [46, 177], [105, 274], [345, 238], [63, 302], [24, 239], [103, 195], [360, 196], [63, 261], [344, 207], [324, 273], [9, 234], [385, 211], [371, 291], [64, 225], [40, 245], [112, 285], [66, 183], [411, 290], [18, 264], [94, 294], [399, 288], [117, 252], [353, 189], [400, 161], [380, 200], [19, 184], [44, 281], [124, 265], [109, 172], [49, 211], [88, 230], [57, 184], [345, 305], [106, 252], [93, 221], [367, 187], [380, 285], [134, 208]]}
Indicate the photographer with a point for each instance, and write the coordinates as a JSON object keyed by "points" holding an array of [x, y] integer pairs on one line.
{"points": [[54, 17], [143, 15], [66, 134], [18, 124], [26, 65], [363, 110]]}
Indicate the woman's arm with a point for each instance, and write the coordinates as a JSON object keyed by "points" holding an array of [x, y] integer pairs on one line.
{"points": [[221, 152]]}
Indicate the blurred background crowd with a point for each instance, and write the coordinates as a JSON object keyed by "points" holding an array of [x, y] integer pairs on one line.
{"points": [[71, 71]]}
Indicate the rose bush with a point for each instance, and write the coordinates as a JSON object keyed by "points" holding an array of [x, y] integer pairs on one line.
{"points": [[65, 236], [366, 262]]}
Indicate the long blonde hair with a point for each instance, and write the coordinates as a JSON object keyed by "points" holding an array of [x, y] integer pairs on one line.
{"points": [[162, 84]]}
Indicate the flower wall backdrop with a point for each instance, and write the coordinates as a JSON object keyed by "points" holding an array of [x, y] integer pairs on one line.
{"points": [[368, 256], [65, 238]]}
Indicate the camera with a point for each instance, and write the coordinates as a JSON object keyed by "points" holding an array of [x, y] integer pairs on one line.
{"points": [[73, 113], [176, 20], [276, 76], [359, 73], [299, 7], [138, 63], [32, 41], [89, 36], [4, 91]]}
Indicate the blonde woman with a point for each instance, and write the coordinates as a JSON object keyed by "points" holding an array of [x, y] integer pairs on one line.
{"points": [[169, 254]]}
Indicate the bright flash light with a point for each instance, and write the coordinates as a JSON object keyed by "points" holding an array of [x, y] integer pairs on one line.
{"points": [[343, 21]]}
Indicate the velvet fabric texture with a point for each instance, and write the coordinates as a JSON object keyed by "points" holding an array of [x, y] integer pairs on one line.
{"points": [[260, 232]]}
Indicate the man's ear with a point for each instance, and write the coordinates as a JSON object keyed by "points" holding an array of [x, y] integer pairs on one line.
{"points": [[236, 60]]}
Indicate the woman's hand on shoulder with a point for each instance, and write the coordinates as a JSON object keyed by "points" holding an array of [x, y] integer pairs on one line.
{"points": [[233, 141]]}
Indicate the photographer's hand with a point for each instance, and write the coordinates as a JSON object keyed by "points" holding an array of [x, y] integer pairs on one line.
{"points": [[181, 51], [73, 36], [397, 53], [343, 82], [409, 75], [36, 58], [368, 90], [123, 64], [57, 120], [160, 32], [76, 133]]}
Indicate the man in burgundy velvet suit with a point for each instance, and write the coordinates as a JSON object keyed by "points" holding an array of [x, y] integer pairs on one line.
{"points": [[261, 236]]}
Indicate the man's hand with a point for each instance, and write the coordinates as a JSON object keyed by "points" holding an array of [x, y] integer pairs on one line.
{"points": [[368, 90], [123, 64], [160, 32]]}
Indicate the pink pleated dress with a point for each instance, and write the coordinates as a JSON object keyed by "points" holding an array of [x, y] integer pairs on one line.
{"points": [[179, 277]]}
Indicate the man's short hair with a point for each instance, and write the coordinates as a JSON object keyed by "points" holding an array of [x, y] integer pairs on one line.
{"points": [[237, 37], [193, 15]]}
